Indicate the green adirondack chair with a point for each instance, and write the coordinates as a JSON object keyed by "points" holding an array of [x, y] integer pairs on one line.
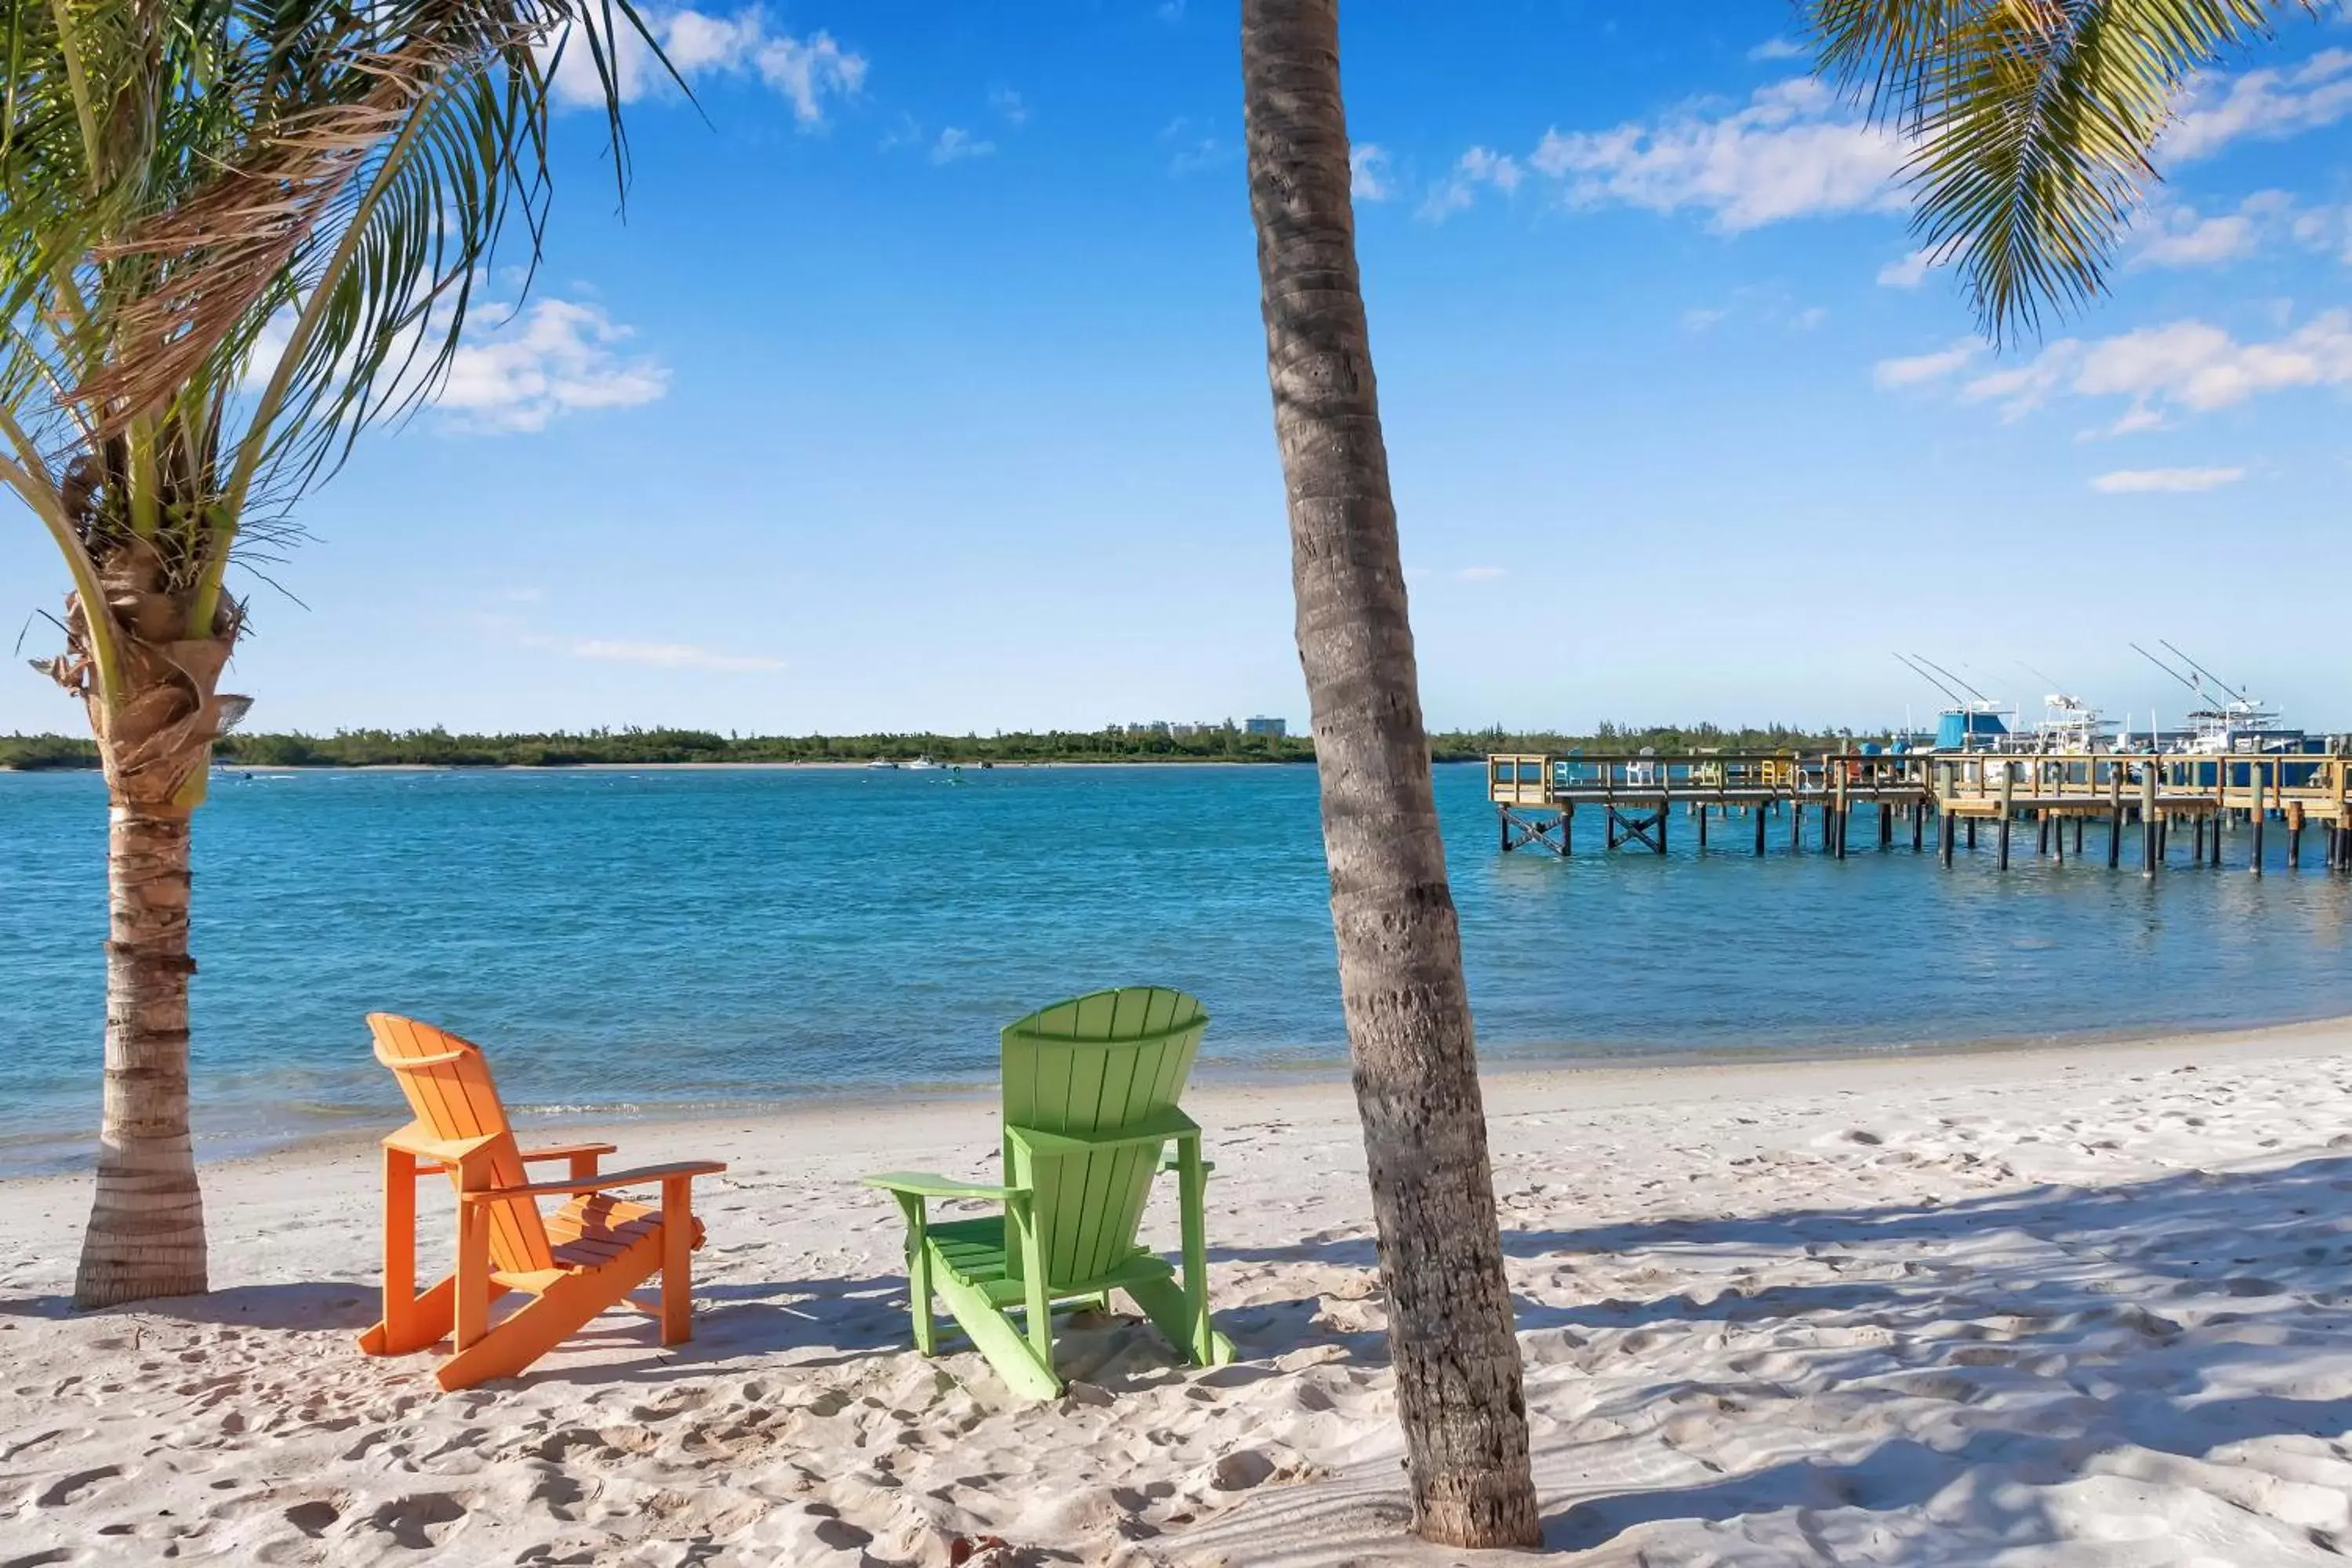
{"points": [[1090, 1091]]}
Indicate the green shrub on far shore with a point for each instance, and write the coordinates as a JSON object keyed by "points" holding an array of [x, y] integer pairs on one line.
{"points": [[633, 747]]}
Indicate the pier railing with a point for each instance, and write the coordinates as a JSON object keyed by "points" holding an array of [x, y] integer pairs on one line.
{"points": [[1537, 797]]}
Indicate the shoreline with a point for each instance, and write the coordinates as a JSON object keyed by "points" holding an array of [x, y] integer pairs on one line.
{"points": [[991, 765], [1257, 1084]]}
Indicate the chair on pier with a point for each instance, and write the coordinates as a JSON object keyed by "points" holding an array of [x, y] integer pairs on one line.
{"points": [[1091, 1092], [573, 1265]]}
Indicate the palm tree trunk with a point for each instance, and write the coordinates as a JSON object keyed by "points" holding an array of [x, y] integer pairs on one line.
{"points": [[146, 1235], [156, 731], [1459, 1391]]}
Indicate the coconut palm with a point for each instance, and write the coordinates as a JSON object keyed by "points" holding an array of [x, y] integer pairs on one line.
{"points": [[2033, 124], [234, 233], [1459, 1389]]}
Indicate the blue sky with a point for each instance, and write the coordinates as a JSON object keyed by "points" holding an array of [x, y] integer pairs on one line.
{"points": [[923, 387]]}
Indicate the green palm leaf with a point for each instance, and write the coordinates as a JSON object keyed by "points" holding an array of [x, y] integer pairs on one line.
{"points": [[2032, 122], [297, 192]]}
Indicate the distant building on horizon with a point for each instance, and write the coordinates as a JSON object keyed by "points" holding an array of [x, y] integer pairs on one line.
{"points": [[1262, 726]]}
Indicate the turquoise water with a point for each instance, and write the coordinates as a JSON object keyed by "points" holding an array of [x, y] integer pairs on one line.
{"points": [[626, 940]]}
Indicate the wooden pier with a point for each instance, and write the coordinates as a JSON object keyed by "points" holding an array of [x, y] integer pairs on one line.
{"points": [[2061, 796]]}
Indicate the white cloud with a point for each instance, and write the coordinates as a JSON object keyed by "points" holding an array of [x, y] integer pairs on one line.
{"points": [[2325, 229], [555, 357], [1811, 316], [1910, 271], [1779, 49], [955, 144], [1918, 368], [1481, 573], [513, 372], [664, 655], [807, 71], [2134, 420], [2202, 242], [1699, 318], [2270, 103], [1368, 172], [1479, 166], [2188, 365], [1793, 150], [2135, 481], [2175, 235], [1007, 104]]}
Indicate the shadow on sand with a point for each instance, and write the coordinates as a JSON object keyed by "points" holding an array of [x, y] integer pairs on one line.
{"points": [[2262, 1255]]}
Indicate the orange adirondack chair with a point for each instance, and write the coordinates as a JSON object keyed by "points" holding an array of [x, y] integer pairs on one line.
{"points": [[589, 1256]]}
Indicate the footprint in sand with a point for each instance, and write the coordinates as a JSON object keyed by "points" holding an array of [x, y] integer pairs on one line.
{"points": [[419, 1520], [70, 1488], [313, 1518]]}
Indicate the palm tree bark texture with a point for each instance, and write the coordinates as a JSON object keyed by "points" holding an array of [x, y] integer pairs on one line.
{"points": [[1460, 1394], [146, 1233]]}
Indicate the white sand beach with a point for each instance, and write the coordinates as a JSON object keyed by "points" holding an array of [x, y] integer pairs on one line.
{"points": [[2090, 1306]]}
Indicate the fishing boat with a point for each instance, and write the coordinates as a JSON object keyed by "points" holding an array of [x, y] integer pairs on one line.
{"points": [[1974, 722], [2227, 720], [922, 764], [882, 763], [2071, 727]]}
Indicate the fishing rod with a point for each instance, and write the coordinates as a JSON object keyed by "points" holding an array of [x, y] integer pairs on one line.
{"points": [[1914, 669], [1955, 679], [2208, 674], [2166, 668]]}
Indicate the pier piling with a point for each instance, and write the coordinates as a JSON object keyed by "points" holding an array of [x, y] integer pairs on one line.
{"points": [[1536, 800]]}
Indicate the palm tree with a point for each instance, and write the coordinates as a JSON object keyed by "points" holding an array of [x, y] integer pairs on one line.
{"points": [[235, 232], [2032, 123], [1459, 1390]]}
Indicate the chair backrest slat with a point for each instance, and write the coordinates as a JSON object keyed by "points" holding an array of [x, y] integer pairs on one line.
{"points": [[1097, 1063], [456, 1097]]}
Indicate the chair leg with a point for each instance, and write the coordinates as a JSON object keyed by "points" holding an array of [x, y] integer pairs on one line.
{"points": [[396, 1332], [425, 1323], [678, 1262], [1008, 1349], [562, 1310], [918, 1295], [1201, 1340], [919, 1272], [473, 1276], [1037, 1305], [1182, 1318]]}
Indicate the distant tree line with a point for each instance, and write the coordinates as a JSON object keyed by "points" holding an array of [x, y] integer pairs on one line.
{"points": [[440, 748]]}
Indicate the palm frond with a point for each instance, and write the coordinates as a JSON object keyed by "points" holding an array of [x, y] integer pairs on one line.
{"points": [[305, 190], [2031, 120]]}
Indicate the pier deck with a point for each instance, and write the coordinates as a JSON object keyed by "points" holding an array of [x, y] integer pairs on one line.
{"points": [[1536, 798]]}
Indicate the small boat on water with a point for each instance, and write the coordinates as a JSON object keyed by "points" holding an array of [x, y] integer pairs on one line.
{"points": [[922, 764], [883, 763]]}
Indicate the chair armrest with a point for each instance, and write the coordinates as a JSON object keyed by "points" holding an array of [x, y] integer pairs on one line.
{"points": [[1169, 1161], [559, 1151], [1157, 1128], [929, 1184], [639, 1177], [566, 1151], [413, 1140]]}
